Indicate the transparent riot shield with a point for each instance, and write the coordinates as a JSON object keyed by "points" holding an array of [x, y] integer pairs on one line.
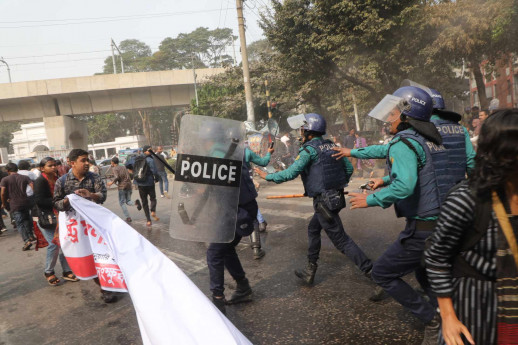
{"points": [[208, 175]]}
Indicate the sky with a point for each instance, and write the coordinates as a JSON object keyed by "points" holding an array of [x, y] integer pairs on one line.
{"points": [[59, 39]]}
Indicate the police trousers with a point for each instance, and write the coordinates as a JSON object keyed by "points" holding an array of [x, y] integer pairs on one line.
{"points": [[336, 233], [224, 255], [400, 259]]}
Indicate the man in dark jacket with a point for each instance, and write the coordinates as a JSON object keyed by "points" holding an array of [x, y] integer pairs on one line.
{"points": [[146, 184], [14, 191]]}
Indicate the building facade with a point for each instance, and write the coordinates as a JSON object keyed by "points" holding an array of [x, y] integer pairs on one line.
{"points": [[501, 84]]}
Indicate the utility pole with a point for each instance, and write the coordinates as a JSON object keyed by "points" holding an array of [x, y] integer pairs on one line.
{"points": [[113, 58], [356, 113], [194, 77], [120, 56], [250, 117], [268, 104], [8, 69]]}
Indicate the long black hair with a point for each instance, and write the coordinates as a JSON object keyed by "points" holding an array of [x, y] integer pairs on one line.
{"points": [[497, 154], [45, 161]]}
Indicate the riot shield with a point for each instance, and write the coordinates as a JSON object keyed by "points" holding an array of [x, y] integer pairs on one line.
{"points": [[208, 176]]}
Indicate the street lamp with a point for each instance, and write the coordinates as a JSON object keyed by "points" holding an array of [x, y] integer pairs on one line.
{"points": [[8, 69]]}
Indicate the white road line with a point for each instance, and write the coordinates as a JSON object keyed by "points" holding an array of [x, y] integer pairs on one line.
{"points": [[276, 227], [186, 264]]}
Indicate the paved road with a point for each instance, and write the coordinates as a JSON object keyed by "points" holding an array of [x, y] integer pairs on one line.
{"points": [[334, 311]]}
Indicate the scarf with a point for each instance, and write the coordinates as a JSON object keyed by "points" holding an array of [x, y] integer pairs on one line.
{"points": [[506, 274]]}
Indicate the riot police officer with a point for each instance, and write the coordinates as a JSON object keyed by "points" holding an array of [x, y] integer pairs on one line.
{"points": [[324, 179], [456, 140], [252, 157], [414, 156]]}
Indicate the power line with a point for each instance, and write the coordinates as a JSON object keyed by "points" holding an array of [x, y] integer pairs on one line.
{"points": [[57, 54], [106, 19]]}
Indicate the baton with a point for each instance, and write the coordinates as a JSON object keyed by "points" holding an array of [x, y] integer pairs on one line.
{"points": [[162, 160], [285, 196]]}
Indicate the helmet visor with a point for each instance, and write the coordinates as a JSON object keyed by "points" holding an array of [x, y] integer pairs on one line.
{"points": [[408, 82], [297, 121], [389, 109]]}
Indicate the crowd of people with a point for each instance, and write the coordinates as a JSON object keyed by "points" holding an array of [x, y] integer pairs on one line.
{"points": [[460, 207]]}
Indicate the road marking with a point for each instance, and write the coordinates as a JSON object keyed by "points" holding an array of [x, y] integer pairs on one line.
{"points": [[277, 227], [188, 265]]}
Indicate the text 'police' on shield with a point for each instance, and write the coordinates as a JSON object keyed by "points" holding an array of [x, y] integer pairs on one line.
{"points": [[208, 170]]}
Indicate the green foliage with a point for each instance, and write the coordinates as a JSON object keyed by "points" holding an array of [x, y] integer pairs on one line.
{"points": [[135, 54], [6, 134]]}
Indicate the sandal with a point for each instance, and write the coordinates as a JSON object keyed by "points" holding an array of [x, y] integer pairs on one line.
{"points": [[70, 276], [153, 214], [52, 279], [27, 246]]}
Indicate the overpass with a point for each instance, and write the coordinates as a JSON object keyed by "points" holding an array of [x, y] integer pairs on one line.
{"points": [[55, 100]]}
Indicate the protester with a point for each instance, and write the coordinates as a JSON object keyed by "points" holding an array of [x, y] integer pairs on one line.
{"points": [[472, 262], [477, 124], [123, 180], [81, 181], [62, 167], [93, 167], [145, 175], [23, 169], [3, 213], [163, 183], [43, 195], [14, 192], [362, 164]]}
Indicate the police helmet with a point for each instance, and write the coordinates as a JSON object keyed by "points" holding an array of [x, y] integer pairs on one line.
{"points": [[419, 102], [309, 122], [438, 100]]}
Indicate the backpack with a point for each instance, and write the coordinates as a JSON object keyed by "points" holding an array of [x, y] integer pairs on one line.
{"points": [[140, 169]]}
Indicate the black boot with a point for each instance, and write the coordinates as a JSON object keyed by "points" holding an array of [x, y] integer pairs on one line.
{"points": [[220, 304], [307, 274], [378, 294], [431, 331], [242, 294]]}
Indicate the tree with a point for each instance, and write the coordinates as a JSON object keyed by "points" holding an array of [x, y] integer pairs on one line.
{"points": [[135, 54], [201, 47], [6, 134], [478, 31]]}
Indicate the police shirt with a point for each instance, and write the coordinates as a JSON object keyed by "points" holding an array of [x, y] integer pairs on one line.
{"points": [[404, 170], [303, 160], [252, 157]]}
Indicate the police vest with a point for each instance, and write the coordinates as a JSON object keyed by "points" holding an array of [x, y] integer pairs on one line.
{"points": [[326, 173], [454, 140], [425, 201], [247, 192]]}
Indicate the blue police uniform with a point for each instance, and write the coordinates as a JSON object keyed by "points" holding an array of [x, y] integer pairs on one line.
{"points": [[416, 191], [224, 255], [321, 173]]}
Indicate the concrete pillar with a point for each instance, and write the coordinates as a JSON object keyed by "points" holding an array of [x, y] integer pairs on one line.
{"points": [[64, 132]]}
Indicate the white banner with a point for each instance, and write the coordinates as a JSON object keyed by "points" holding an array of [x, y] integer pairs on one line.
{"points": [[170, 308]]}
